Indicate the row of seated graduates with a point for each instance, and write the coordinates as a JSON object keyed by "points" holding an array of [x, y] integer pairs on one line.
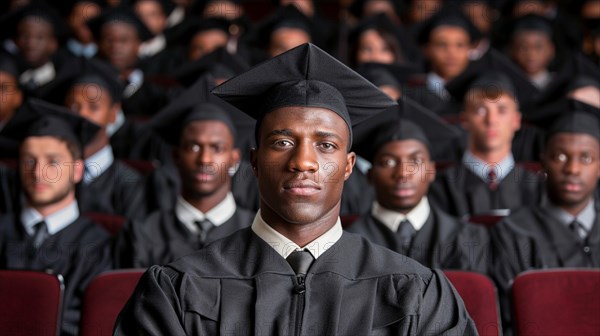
{"points": [[356, 201]]}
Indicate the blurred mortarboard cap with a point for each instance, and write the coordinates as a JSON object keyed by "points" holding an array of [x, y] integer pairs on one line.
{"points": [[532, 22], [66, 7], [450, 15], [495, 74], [197, 104], [39, 118], [97, 72], [304, 76], [286, 17], [220, 63], [386, 74], [576, 120], [119, 14], [357, 7], [166, 5], [407, 121], [9, 65], [36, 9], [197, 25]]}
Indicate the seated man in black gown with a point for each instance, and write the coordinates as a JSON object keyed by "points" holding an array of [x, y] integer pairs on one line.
{"points": [[203, 138], [564, 230], [49, 233], [295, 271], [401, 217]]}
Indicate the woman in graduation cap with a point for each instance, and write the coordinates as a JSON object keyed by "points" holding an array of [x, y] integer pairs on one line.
{"points": [[48, 233], [294, 271]]}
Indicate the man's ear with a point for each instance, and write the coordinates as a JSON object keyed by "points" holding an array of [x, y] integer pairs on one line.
{"points": [[235, 156], [431, 172], [113, 112], [350, 161], [254, 161], [78, 171]]}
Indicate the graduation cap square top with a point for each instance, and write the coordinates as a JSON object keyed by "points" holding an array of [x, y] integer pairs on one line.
{"points": [[38, 10], [102, 74], [577, 119], [449, 15], [304, 76], [39, 118], [120, 14]]}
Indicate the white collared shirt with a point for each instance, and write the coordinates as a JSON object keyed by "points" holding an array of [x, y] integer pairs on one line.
{"points": [[481, 168], [152, 46], [40, 76], [541, 80], [111, 129], [97, 164], [79, 49], [585, 217], [437, 84], [284, 246], [135, 81], [54, 222], [392, 219], [188, 214]]}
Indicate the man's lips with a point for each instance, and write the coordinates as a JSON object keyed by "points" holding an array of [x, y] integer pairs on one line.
{"points": [[404, 191], [302, 188], [571, 186]]}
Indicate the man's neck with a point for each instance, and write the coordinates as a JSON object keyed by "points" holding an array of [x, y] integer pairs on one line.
{"points": [[206, 203], [573, 209], [47, 210], [301, 234]]}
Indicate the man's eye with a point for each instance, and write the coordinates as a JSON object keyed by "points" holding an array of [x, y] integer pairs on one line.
{"points": [[561, 157], [283, 143], [328, 146], [586, 158], [388, 163], [192, 148]]}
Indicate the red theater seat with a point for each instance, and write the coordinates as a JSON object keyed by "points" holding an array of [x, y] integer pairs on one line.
{"points": [[30, 303], [557, 302], [485, 220], [479, 294], [104, 299], [111, 223]]}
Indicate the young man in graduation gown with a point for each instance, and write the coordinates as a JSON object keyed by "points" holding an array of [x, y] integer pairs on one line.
{"points": [[487, 180], [259, 280], [109, 185], [564, 230], [49, 233], [203, 138], [401, 217]]}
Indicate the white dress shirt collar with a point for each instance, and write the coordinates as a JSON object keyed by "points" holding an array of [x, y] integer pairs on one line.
{"points": [[284, 246], [436, 84], [98, 163], [391, 219], [134, 83], [188, 214], [40, 76], [481, 168], [55, 222]]}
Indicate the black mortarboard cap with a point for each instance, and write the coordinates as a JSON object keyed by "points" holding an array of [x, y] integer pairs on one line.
{"points": [[449, 15], [39, 118], [66, 7], [285, 17], [407, 121], [357, 7], [119, 14], [9, 65], [197, 25], [37, 9], [495, 73], [220, 63], [304, 76], [196, 103], [97, 72], [386, 74], [576, 121], [533, 22]]}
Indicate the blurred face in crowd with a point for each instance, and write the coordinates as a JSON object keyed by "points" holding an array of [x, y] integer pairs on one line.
{"points": [[284, 39], [307, 7], [82, 12], [223, 8], [448, 51], [532, 51], [480, 14], [301, 163], [535, 7], [119, 44], [48, 171], [35, 40], [491, 120], [401, 174], [421, 10], [205, 154], [587, 94], [205, 42], [572, 164], [375, 7], [93, 103], [372, 47], [152, 14], [11, 96]]}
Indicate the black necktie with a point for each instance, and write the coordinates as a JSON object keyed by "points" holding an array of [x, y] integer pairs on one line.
{"points": [[578, 229], [204, 226], [40, 234], [300, 261], [405, 234]]}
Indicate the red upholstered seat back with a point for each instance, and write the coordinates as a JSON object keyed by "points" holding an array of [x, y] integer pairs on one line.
{"points": [[105, 297], [30, 303], [485, 220], [479, 294], [557, 302], [111, 223]]}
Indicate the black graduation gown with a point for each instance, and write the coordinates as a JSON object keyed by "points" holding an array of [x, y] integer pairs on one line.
{"points": [[117, 191], [443, 242], [358, 194], [135, 141], [162, 238], [145, 102], [79, 252], [240, 285], [459, 192], [8, 190], [419, 92]]}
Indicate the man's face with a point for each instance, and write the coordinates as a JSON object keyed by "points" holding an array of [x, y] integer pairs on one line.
{"points": [[206, 42], [11, 96], [421, 10], [93, 103], [82, 12], [572, 162], [36, 41], [491, 120], [152, 14], [205, 154], [373, 48], [301, 164], [448, 51], [284, 39], [532, 51], [119, 44], [401, 174], [48, 171]]}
